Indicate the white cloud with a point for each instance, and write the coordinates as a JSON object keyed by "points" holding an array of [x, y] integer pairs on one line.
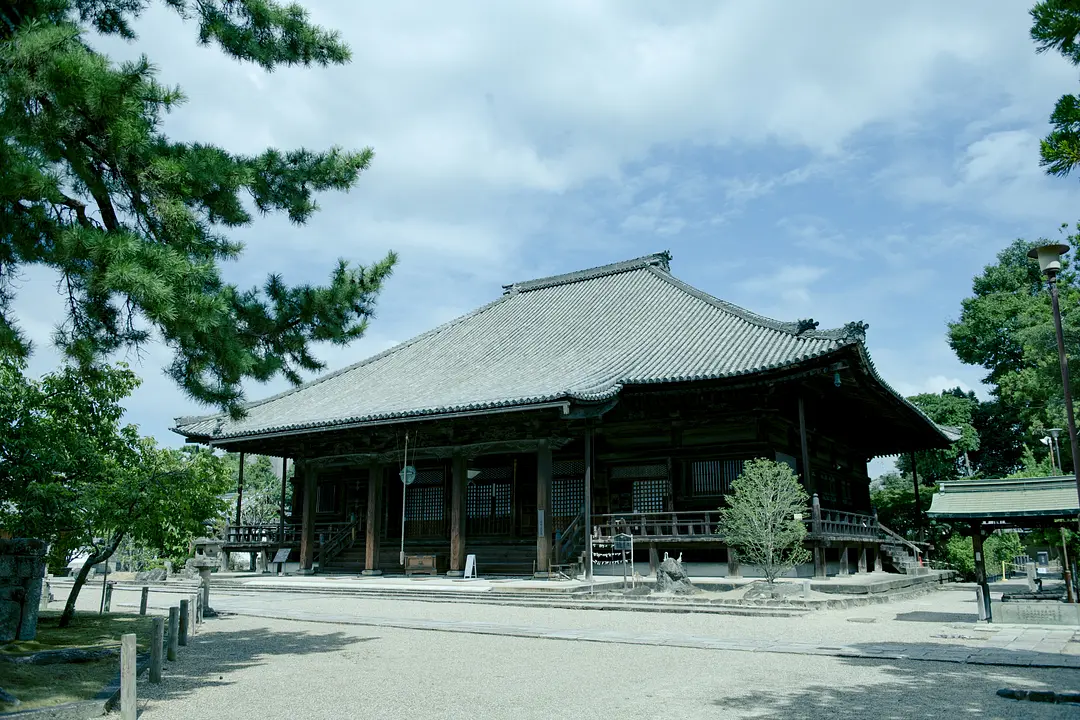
{"points": [[518, 140]]}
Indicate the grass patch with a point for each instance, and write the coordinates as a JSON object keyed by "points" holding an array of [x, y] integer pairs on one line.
{"points": [[45, 685]]}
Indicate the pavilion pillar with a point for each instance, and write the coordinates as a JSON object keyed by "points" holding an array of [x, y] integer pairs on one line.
{"points": [[878, 567], [543, 507], [372, 523], [307, 531], [845, 567], [459, 488], [980, 573], [862, 559]]}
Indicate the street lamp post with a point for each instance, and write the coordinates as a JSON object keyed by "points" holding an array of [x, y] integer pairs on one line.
{"points": [[1054, 433], [1049, 257]]}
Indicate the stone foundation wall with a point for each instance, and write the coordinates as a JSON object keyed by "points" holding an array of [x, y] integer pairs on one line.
{"points": [[22, 569]]}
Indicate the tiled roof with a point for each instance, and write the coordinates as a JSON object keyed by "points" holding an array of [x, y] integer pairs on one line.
{"points": [[1009, 498], [580, 336]]}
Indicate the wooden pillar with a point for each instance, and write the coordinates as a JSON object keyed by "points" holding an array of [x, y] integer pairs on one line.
{"points": [[845, 567], [372, 529], [307, 533], [240, 490], [808, 479], [877, 559], [543, 507], [281, 525], [459, 487], [588, 502], [733, 569], [980, 571], [816, 541], [862, 559], [918, 500]]}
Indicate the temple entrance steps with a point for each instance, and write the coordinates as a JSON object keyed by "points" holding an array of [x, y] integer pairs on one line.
{"points": [[901, 558]]}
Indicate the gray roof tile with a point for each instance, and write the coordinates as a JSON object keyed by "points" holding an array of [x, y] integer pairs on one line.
{"points": [[580, 336], [1004, 498]]}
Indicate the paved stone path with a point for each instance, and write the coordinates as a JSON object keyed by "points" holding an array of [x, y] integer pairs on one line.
{"points": [[1026, 647]]}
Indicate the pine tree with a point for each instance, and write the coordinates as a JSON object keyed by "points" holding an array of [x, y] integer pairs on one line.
{"points": [[1056, 26], [135, 224]]}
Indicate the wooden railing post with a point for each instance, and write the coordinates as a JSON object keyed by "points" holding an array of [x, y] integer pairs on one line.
{"points": [[174, 632], [156, 649], [127, 677], [185, 619], [816, 515]]}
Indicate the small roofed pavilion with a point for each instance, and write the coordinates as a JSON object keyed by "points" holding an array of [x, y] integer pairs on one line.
{"points": [[570, 403], [998, 504]]}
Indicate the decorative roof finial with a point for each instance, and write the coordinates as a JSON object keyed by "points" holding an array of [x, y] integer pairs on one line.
{"points": [[856, 331], [806, 324]]}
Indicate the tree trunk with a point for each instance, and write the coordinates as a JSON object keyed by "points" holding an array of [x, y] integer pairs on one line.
{"points": [[80, 579]]}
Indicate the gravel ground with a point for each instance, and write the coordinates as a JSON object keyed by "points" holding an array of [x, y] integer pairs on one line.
{"points": [[943, 617], [251, 667]]}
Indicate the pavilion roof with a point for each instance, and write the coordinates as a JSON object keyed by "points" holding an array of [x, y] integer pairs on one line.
{"points": [[578, 337], [991, 499]]}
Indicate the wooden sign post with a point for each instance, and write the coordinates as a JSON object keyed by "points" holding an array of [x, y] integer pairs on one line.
{"points": [[281, 557]]}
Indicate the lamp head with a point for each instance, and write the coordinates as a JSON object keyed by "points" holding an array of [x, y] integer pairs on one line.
{"points": [[1049, 257]]}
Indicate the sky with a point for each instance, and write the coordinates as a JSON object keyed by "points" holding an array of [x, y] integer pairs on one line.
{"points": [[838, 160]]}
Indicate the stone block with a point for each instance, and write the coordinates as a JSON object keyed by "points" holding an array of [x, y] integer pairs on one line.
{"points": [[1036, 612], [10, 615]]}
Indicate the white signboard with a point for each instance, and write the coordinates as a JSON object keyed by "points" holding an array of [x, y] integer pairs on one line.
{"points": [[470, 566]]}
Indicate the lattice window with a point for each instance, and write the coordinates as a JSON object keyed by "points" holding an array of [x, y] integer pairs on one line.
{"points": [[567, 496], [424, 503], [649, 495], [659, 470], [430, 476], [568, 468], [486, 500], [494, 474], [714, 477]]}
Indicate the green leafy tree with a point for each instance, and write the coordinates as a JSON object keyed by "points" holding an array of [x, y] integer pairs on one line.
{"points": [[1056, 26], [954, 408], [760, 520], [1007, 328], [69, 470], [1001, 439], [261, 503], [1030, 466], [960, 556], [1002, 547], [893, 497], [135, 224]]}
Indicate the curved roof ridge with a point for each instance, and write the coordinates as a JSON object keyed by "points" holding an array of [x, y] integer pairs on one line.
{"points": [[661, 259], [792, 328]]}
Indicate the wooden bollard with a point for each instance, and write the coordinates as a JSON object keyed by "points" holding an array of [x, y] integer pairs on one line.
{"points": [[143, 599], [127, 677], [108, 596], [174, 631], [156, 649], [185, 617], [198, 608]]}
